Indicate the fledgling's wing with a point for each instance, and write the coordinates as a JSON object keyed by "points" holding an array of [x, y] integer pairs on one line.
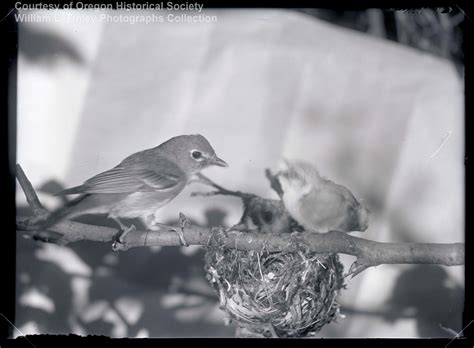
{"points": [[137, 173], [351, 209], [331, 207]]}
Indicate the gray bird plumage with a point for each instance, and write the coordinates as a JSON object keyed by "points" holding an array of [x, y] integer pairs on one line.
{"points": [[318, 204]]}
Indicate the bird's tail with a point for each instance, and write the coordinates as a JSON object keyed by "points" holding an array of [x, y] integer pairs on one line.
{"points": [[70, 191], [64, 212]]}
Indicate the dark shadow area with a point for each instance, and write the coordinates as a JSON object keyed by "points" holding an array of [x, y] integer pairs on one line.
{"points": [[52, 187], [425, 291], [45, 47], [31, 273], [166, 286], [425, 294]]}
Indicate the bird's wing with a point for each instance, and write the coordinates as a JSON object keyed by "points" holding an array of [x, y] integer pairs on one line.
{"points": [[347, 211], [134, 174], [342, 195], [327, 205]]}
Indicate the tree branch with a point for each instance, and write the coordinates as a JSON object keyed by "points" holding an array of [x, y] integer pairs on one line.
{"points": [[30, 193], [368, 253]]}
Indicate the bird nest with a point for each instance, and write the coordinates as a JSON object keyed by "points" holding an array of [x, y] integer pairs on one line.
{"points": [[283, 294]]}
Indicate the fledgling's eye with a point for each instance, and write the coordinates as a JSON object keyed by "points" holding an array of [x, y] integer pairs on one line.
{"points": [[196, 154]]}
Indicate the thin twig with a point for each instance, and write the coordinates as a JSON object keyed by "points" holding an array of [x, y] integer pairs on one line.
{"points": [[202, 179], [30, 193]]}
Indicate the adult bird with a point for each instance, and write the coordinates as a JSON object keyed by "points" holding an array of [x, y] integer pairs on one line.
{"points": [[141, 184]]}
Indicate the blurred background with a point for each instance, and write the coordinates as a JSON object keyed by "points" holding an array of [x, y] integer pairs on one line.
{"points": [[374, 99]]}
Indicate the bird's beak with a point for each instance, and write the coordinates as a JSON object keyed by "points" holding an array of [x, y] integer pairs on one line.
{"points": [[219, 162]]}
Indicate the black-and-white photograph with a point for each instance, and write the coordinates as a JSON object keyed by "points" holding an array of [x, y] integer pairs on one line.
{"points": [[188, 171]]}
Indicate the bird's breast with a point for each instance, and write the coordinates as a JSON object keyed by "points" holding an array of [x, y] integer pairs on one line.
{"points": [[291, 200], [142, 203]]}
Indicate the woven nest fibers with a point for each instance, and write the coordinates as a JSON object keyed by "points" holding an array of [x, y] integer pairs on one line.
{"points": [[293, 294]]}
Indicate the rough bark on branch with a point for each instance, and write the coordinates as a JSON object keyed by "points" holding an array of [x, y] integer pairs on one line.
{"points": [[368, 253]]}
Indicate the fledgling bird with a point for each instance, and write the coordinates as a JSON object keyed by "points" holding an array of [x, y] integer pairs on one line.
{"points": [[318, 204], [141, 184]]}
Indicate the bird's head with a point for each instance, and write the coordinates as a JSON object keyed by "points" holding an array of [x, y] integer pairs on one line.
{"points": [[192, 153], [297, 176]]}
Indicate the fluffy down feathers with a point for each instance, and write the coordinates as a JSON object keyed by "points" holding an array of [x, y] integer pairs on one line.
{"points": [[318, 204]]}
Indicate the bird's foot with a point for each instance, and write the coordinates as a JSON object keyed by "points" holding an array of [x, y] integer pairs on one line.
{"points": [[122, 235], [166, 228], [152, 225], [183, 223]]}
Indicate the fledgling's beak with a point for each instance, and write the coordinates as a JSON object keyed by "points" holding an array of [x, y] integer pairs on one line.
{"points": [[219, 162]]}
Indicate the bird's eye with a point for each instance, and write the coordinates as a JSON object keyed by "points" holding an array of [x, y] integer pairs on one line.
{"points": [[196, 154]]}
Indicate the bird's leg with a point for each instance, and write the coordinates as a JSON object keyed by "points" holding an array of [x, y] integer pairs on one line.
{"points": [[183, 223], [124, 228], [153, 225]]}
